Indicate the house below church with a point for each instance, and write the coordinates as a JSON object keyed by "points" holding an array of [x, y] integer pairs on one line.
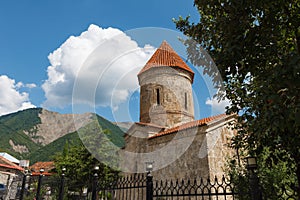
{"points": [[10, 176]]}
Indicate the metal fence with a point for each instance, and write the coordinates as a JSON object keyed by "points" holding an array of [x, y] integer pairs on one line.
{"points": [[132, 187], [194, 189], [143, 187], [139, 187]]}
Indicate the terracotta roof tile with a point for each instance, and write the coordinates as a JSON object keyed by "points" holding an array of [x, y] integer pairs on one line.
{"points": [[39, 173], [47, 166], [187, 125], [8, 164], [166, 56]]}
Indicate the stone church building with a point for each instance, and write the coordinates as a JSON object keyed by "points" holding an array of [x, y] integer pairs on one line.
{"points": [[168, 134]]}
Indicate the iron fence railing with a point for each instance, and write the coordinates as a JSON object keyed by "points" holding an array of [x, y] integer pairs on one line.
{"points": [[198, 188], [128, 187], [143, 187]]}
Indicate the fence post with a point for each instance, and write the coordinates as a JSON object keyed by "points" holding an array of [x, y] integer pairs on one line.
{"points": [[94, 187], [149, 186], [62, 185], [255, 192], [23, 184], [37, 197]]}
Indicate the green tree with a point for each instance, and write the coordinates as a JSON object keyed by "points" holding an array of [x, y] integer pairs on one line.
{"points": [[80, 163], [256, 47]]}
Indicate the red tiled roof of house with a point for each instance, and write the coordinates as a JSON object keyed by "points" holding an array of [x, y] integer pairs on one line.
{"points": [[166, 56], [8, 164], [39, 173], [47, 166], [187, 125]]}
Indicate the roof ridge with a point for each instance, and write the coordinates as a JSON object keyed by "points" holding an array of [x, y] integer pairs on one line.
{"points": [[191, 124]]}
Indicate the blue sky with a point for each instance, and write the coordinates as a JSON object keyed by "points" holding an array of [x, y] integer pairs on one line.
{"points": [[40, 42]]}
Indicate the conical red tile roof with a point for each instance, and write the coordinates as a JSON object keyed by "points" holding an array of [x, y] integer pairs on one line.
{"points": [[166, 56]]}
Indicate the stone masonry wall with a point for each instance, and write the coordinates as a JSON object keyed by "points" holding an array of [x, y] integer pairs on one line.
{"points": [[175, 96], [194, 152], [183, 150]]}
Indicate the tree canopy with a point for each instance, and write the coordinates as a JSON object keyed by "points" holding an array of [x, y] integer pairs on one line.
{"points": [[256, 48], [80, 163]]}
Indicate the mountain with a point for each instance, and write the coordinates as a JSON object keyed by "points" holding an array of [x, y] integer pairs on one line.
{"points": [[124, 126], [37, 134]]}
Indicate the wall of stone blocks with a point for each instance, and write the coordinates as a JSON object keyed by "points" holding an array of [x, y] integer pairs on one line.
{"points": [[176, 100], [195, 152]]}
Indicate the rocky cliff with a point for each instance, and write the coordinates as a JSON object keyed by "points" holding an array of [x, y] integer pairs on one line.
{"points": [[55, 125], [30, 131]]}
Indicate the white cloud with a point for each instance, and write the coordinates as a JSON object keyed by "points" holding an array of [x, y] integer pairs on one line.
{"points": [[19, 85], [30, 85], [99, 68], [12, 99], [217, 106]]}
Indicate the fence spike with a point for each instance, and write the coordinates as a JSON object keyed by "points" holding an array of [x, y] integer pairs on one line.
{"points": [[130, 178], [223, 179], [166, 183], [208, 180], [176, 183]]}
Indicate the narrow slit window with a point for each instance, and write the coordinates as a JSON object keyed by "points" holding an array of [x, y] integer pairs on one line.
{"points": [[185, 101], [157, 96]]}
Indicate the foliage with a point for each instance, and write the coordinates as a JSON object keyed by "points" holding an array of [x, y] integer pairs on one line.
{"points": [[49, 187], [276, 178], [256, 47], [101, 142], [274, 182], [24, 120], [29, 195], [238, 176], [12, 127], [46, 153], [98, 145], [114, 134], [79, 164]]}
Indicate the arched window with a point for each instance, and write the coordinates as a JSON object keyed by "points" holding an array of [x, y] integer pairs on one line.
{"points": [[157, 96], [185, 101]]}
